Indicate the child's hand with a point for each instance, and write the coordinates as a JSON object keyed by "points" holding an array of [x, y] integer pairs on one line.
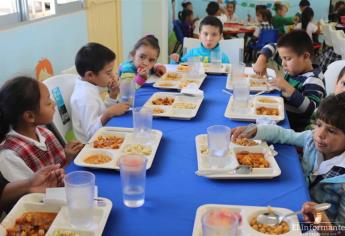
{"points": [[286, 88], [160, 70], [239, 133], [143, 72], [114, 87], [260, 65], [175, 57], [46, 177], [313, 217], [117, 109], [72, 149]]}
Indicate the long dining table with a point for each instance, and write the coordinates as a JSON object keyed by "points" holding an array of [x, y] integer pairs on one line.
{"points": [[174, 191]]}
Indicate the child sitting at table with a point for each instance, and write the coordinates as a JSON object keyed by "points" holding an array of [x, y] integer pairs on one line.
{"points": [[94, 63], [323, 158], [307, 23], [279, 21], [142, 61], [211, 31], [230, 11], [26, 146], [303, 86]]}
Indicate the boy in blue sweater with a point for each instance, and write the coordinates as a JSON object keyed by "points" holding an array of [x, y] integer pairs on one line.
{"points": [[303, 84], [323, 158], [211, 32]]}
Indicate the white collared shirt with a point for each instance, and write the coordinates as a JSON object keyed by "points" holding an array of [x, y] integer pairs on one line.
{"points": [[321, 166], [12, 167], [87, 108]]}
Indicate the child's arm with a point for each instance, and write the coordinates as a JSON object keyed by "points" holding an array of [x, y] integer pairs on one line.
{"points": [[159, 70], [114, 110], [12, 167], [267, 52], [72, 149]]}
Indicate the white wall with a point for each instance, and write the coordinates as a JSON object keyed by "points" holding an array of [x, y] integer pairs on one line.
{"points": [[57, 38], [142, 17]]}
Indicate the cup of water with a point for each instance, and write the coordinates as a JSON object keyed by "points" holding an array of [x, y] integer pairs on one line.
{"points": [[241, 91], [220, 222], [127, 91], [218, 140], [237, 71], [80, 192], [133, 175], [216, 58], [142, 124], [195, 63]]}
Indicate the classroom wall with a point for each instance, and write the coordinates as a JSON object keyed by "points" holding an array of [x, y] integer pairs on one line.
{"points": [[142, 17], [57, 38], [320, 7]]}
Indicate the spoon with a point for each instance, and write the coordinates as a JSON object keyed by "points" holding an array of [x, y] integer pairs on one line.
{"points": [[240, 170], [272, 218]]}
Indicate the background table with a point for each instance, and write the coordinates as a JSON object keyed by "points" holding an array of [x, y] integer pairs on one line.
{"points": [[174, 192]]}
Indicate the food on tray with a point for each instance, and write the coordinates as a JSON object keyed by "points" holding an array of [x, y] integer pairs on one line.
{"points": [[183, 67], [256, 76], [65, 233], [245, 142], [204, 150], [184, 105], [267, 111], [108, 141], [32, 223], [163, 101], [165, 84], [281, 228], [254, 83], [267, 100], [97, 159], [158, 110], [138, 149], [172, 76], [184, 84], [254, 160]]}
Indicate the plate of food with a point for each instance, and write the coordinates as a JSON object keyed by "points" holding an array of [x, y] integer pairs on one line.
{"points": [[174, 105], [258, 106], [249, 225], [257, 82], [32, 216], [210, 68], [178, 81], [110, 143], [245, 152]]}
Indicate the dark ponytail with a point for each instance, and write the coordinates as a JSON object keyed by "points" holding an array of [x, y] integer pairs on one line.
{"points": [[182, 15], [307, 16], [17, 96], [185, 4]]}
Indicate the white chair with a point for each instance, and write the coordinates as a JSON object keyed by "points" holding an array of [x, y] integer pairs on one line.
{"points": [[61, 88], [70, 70], [335, 44], [331, 75], [340, 41], [233, 48], [327, 35]]}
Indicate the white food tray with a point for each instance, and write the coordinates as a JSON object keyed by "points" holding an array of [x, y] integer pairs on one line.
{"points": [[115, 154], [247, 213], [257, 173], [212, 69], [176, 110], [254, 103], [256, 83], [180, 82], [34, 202]]}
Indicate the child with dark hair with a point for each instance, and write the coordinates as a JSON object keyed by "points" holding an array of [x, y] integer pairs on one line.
{"points": [[303, 85], [211, 31], [307, 23], [303, 4], [186, 22], [230, 10], [340, 85], [143, 61], [26, 146], [264, 19], [212, 9], [187, 5], [323, 158], [95, 64]]}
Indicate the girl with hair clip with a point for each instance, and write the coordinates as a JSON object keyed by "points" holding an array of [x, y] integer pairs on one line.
{"points": [[307, 23], [142, 61], [26, 146]]}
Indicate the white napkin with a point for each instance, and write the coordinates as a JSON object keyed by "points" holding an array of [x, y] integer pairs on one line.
{"points": [[58, 195], [192, 89]]}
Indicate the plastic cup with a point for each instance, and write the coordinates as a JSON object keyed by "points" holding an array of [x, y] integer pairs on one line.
{"points": [[80, 192], [220, 223], [218, 138], [237, 71], [216, 57], [127, 91], [195, 63], [133, 175], [142, 124], [241, 91]]}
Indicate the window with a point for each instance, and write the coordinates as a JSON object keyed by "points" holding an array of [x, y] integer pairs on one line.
{"points": [[14, 11]]}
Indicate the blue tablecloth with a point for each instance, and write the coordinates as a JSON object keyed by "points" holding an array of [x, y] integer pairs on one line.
{"points": [[174, 192]]}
